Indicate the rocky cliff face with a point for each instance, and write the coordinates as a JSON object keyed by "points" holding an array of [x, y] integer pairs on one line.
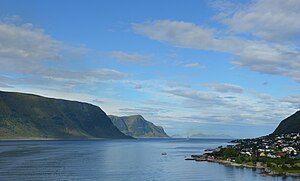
{"points": [[137, 126], [25, 116]]}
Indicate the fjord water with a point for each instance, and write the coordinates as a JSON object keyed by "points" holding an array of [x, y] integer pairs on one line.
{"points": [[134, 160]]}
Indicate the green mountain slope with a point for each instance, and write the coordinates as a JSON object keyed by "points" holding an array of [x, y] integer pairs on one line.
{"points": [[289, 125], [25, 116], [137, 126]]}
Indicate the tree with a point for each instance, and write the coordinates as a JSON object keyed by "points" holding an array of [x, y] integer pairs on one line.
{"points": [[230, 152]]}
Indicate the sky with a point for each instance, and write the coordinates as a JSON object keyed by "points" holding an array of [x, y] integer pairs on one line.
{"points": [[211, 67]]}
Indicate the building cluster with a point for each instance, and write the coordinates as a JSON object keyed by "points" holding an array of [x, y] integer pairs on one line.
{"points": [[281, 146]]}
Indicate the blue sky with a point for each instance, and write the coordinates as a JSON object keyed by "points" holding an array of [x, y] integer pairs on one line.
{"points": [[212, 67]]}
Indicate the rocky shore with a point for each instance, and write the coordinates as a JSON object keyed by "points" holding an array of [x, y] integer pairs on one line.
{"points": [[264, 169]]}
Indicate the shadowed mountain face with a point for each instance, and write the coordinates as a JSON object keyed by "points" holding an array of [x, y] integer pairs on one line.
{"points": [[137, 126], [289, 125], [25, 116]]}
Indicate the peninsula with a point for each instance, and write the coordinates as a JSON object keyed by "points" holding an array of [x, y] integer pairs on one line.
{"points": [[277, 154]]}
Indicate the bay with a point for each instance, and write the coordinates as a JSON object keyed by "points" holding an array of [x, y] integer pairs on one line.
{"points": [[133, 160]]}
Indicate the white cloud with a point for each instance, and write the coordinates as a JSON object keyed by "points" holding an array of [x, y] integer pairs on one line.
{"points": [[178, 33], [275, 20], [206, 98], [294, 100], [247, 108], [193, 65], [257, 55], [130, 57], [108, 74], [138, 86], [221, 87], [66, 78], [26, 51], [174, 84], [27, 42], [4, 85]]}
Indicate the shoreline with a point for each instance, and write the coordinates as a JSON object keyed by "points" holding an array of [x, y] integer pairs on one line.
{"points": [[264, 169], [58, 139], [49, 139]]}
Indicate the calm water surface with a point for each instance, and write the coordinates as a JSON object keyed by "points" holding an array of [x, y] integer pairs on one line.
{"points": [[134, 160]]}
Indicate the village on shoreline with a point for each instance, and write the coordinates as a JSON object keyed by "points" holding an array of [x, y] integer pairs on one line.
{"points": [[275, 155]]}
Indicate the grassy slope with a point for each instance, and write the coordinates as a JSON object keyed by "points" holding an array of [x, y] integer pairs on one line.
{"points": [[31, 116]]}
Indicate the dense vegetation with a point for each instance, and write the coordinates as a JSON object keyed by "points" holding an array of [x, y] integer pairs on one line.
{"points": [[25, 116], [284, 164]]}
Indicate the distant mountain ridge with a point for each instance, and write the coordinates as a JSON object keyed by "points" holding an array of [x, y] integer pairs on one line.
{"points": [[289, 125], [136, 126], [202, 135], [26, 116]]}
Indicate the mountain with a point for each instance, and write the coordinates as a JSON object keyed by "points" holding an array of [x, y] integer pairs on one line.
{"points": [[202, 135], [289, 125], [137, 126], [27, 116], [177, 136]]}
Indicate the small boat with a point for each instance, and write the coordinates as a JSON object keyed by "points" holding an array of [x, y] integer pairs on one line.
{"points": [[164, 153]]}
